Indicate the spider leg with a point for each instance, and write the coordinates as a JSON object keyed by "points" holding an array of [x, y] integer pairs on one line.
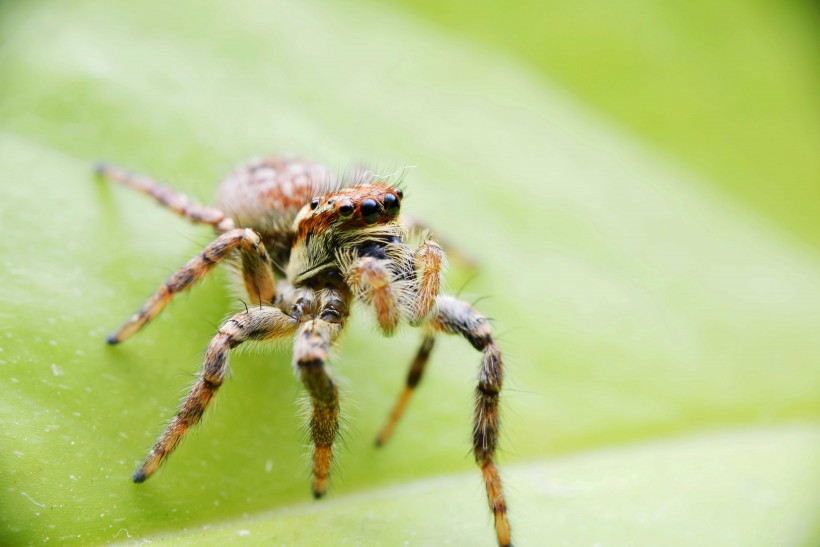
{"points": [[310, 353], [372, 281], [416, 226], [456, 317], [413, 379], [176, 201], [256, 272], [255, 324], [430, 263]]}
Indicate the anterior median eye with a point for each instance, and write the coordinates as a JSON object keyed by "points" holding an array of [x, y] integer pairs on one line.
{"points": [[391, 205], [370, 211], [346, 209]]}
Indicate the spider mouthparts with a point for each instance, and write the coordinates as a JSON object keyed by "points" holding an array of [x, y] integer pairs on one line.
{"points": [[112, 340], [139, 476], [316, 494]]}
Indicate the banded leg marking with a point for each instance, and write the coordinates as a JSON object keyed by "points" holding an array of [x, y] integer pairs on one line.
{"points": [[456, 317], [170, 198], [310, 353], [255, 324], [257, 274]]}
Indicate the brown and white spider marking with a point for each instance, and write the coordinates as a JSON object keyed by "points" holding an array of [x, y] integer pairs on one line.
{"points": [[328, 242]]}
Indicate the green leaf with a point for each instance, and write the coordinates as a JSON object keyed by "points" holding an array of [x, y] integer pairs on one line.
{"points": [[631, 304]]}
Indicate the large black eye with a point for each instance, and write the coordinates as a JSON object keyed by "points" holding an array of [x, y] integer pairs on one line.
{"points": [[346, 209], [370, 211], [314, 204], [391, 204]]}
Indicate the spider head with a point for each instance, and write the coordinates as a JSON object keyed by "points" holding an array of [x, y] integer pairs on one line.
{"points": [[350, 208], [341, 220]]}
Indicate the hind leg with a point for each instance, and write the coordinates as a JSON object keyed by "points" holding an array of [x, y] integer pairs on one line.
{"points": [[413, 379], [176, 201]]}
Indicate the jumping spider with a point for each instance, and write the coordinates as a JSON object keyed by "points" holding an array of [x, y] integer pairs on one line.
{"points": [[328, 242]]}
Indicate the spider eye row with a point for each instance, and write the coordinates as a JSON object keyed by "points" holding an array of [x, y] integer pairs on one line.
{"points": [[370, 209]]}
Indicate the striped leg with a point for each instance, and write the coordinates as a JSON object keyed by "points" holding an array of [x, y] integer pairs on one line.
{"points": [[456, 317], [413, 379], [176, 201], [310, 353], [256, 270], [265, 323]]}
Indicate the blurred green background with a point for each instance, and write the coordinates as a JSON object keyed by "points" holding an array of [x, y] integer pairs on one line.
{"points": [[639, 182]]}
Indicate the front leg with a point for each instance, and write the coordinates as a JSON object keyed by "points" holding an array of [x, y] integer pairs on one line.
{"points": [[372, 281], [265, 323], [430, 264], [310, 354], [256, 272]]}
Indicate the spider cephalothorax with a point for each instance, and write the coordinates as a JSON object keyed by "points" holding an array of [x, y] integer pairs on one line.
{"points": [[360, 220], [333, 242]]}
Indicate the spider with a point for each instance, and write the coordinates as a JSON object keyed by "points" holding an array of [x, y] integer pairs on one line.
{"points": [[308, 244]]}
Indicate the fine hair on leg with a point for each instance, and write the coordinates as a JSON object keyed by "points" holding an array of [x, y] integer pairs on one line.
{"points": [[456, 317], [167, 196], [256, 271], [259, 324], [310, 354]]}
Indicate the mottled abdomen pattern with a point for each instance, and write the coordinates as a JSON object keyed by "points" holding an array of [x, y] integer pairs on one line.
{"points": [[266, 194]]}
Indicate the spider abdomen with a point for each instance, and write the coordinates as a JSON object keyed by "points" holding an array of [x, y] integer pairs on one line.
{"points": [[266, 194]]}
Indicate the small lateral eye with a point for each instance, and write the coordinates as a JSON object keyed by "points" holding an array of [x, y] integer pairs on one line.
{"points": [[391, 205], [370, 211], [399, 193], [314, 204], [346, 209]]}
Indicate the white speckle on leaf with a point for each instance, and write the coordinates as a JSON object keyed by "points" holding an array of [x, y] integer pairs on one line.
{"points": [[57, 371], [268, 466], [244, 532]]}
